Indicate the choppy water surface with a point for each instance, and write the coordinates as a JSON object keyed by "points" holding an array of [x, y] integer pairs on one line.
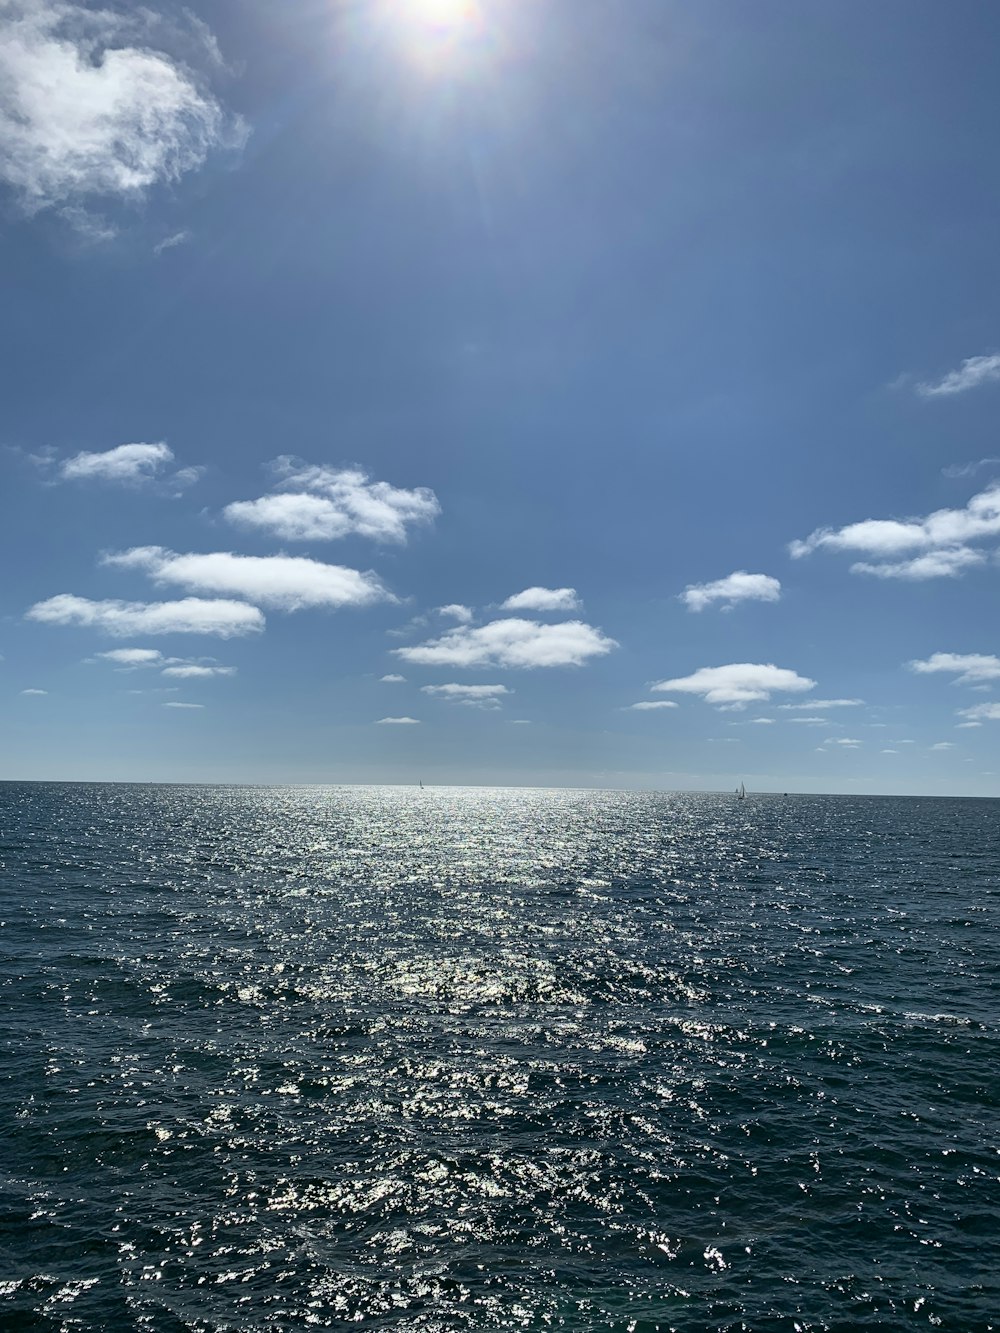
{"points": [[470, 1059]]}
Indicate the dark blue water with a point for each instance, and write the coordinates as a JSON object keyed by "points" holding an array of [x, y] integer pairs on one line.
{"points": [[280, 1058]]}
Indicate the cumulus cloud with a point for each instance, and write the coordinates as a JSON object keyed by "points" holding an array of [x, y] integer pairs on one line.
{"points": [[974, 371], [477, 696], [967, 668], [814, 705], [123, 620], [647, 705], [738, 683], [89, 108], [849, 741], [392, 680], [981, 713], [943, 745], [938, 542], [131, 659], [512, 643], [730, 591], [317, 503], [290, 583], [543, 599], [127, 462], [463, 614], [398, 722]]}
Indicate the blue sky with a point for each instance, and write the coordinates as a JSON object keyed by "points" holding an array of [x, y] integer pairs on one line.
{"points": [[657, 343]]}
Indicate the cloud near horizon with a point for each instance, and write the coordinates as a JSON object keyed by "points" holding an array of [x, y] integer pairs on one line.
{"points": [[123, 620], [398, 722], [981, 712], [512, 643], [939, 541], [543, 599], [318, 503], [730, 591], [288, 583], [813, 705], [738, 683], [91, 109]]}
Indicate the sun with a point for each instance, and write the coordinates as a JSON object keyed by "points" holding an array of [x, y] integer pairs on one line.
{"points": [[441, 15]]}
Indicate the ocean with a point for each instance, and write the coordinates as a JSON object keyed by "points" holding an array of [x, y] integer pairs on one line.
{"points": [[381, 1058]]}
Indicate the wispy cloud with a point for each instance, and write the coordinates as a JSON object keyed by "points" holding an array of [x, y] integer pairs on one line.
{"points": [[90, 108], [392, 679], [849, 742], [194, 671], [512, 643], [171, 242], [456, 611], [543, 599], [32, 691], [129, 659], [648, 705], [947, 563], [318, 503], [398, 722], [290, 583], [176, 703], [939, 541], [981, 713], [942, 745], [967, 668], [738, 683], [815, 705], [125, 620], [730, 591], [477, 696], [958, 471], [133, 659], [973, 372]]}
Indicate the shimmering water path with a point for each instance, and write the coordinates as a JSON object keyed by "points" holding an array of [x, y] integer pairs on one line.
{"points": [[280, 1058]]}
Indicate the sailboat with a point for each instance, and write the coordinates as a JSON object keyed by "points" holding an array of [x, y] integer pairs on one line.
{"points": [[741, 792]]}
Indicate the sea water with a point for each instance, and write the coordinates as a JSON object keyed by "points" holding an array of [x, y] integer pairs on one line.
{"points": [[375, 1058]]}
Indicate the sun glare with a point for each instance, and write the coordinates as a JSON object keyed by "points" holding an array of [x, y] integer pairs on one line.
{"points": [[443, 15]]}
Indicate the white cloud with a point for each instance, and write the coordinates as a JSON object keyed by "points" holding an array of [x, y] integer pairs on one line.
{"points": [[478, 696], [171, 242], [290, 583], [849, 741], [733, 589], [392, 680], [943, 745], [323, 503], [127, 462], [973, 372], [738, 683], [463, 614], [761, 722], [89, 108], [512, 643], [647, 705], [127, 658], [177, 704], [981, 713], [398, 722], [968, 668], [947, 563], [34, 691], [543, 599], [888, 752], [940, 540], [957, 471], [809, 721], [192, 671], [814, 705], [192, 615]]}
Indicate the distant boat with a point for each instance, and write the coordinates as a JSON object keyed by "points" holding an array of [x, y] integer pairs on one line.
{"points": [[420, 785], [741, 792]]}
